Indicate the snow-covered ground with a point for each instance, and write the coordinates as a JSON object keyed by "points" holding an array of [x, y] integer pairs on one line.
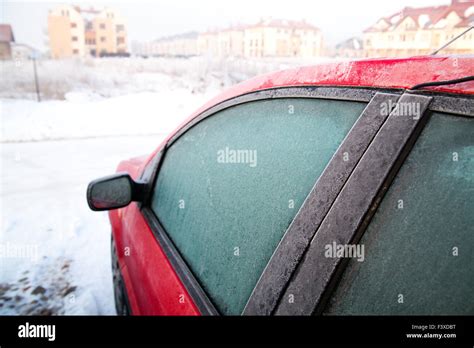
{"points": [[58, 256], [54, 251], [84, 115], [111, 77]]}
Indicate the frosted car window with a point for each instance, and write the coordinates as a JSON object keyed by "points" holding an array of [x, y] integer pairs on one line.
{"points": [[419, 247], [230, 186]]}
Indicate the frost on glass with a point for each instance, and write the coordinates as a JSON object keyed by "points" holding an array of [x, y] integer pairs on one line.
{"points": [[420, 244], [226, 214]]}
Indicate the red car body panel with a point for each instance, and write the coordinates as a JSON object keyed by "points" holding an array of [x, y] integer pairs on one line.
{"points": [[153, 287]]}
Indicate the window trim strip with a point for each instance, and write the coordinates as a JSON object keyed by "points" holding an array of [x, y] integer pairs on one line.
{"points": [[456, 105], [150, 173], [352, 210], [194, 289], [355, 94], [297, 237]]}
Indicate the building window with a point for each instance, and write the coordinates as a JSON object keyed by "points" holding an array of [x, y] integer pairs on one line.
{"points": [[120, 27], [102, 39], [73, 25], [75, 51], [74, 38], [102, 25], [120, 40]]}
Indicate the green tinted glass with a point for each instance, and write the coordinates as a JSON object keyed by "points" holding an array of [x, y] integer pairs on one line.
{"points": [[419, 247], [231, 185]]}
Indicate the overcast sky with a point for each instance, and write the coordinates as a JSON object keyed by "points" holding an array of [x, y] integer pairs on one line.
{"points": [[148, 20]]}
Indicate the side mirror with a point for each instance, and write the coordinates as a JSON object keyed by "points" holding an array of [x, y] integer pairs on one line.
{"points": [[113, 192]]}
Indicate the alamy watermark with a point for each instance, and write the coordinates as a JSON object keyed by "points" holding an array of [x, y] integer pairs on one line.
{"points": [[237, 156], [25, 251], [354, 251], [406, 109], [28, 330]]}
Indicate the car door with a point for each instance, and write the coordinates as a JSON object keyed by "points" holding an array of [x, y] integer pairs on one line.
{"points": [[230, 185], [407, 207]]}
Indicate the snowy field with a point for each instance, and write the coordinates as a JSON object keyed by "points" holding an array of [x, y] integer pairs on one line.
{"points": [[59, 258], [54, 251]]}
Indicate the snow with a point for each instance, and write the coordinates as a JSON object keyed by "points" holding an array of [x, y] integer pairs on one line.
{"points": [[54, 251], [423, 20], [395, 19], [469, 11], [50, 151], [84, 115], [356, 44], [44, 207], [112, 77]]}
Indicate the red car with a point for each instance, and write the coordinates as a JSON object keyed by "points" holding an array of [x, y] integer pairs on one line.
{"points": [[343, 188]]}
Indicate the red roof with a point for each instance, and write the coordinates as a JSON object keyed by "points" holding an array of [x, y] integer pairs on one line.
{"points": [[6, 33], [433, 15], [466, 22]]}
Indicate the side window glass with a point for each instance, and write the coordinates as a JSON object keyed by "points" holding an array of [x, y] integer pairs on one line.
{"points": [[230, 186], [419, 246]]}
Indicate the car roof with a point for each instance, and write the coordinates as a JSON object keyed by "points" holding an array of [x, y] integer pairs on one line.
{"points": [[399, 73]]}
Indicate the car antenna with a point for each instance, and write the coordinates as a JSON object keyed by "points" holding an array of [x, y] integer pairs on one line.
{"points": [[452, 40], [443, 83]]}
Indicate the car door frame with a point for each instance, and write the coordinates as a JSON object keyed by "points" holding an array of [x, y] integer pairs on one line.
{"points": [[316, 277], [150, 174]]}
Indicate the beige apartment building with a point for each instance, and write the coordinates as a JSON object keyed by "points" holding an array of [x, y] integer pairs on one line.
{"points": [[231, 42], [267, 38], [282, 38], [78, 32], [108, 30], [66, 32], [222, 43], [420, 31], [182, 45], [207, 43]]}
